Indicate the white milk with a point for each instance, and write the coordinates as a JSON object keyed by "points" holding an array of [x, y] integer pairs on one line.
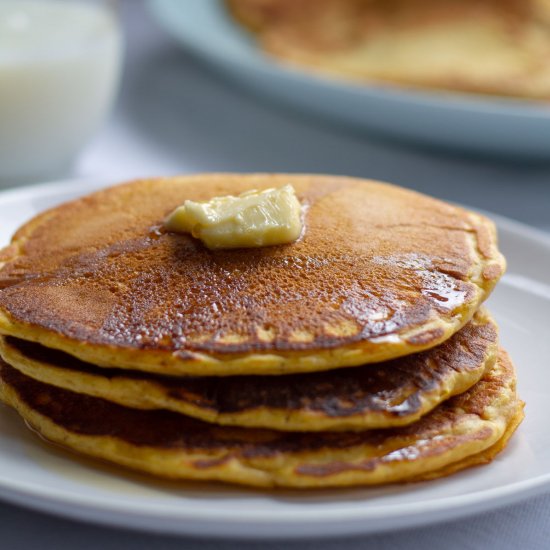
{"points": [[59, 70]]}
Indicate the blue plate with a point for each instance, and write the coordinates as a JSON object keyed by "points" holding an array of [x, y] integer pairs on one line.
{"points": [[467, 122]]}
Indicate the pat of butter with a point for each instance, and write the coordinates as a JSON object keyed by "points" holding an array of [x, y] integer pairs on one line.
{"points": [[252, 219]]}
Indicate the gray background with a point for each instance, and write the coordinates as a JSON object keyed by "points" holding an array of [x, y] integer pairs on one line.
{"points": [[175, 116]]}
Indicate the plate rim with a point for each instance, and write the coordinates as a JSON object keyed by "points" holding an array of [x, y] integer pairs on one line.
{"points": [[310, 521]]}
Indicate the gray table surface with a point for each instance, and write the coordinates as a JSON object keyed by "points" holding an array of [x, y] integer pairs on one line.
{"points": [[175, 116]]}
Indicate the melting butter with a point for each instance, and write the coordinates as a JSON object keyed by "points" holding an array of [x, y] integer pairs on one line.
{"points": [[251, 219]]}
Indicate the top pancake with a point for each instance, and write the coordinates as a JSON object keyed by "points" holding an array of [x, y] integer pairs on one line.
{"points": [[379, 272], [496, 47]]}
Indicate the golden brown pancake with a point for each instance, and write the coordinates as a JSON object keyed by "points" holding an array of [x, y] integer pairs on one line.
{"points": [[393, 393], [465, 430], [380, 272], [497, 47]]}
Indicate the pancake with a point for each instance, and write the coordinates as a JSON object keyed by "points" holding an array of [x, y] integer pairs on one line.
{"points": [[380, 272], [393, 393], [498, 47], [463, 431]]}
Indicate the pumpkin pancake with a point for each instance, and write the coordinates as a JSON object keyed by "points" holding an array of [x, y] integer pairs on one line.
{"points": [[498, 47], [393, 393], [379, 272], [465, 430]]}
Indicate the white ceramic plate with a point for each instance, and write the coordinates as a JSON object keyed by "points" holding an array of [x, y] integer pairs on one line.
{"points": [[482, 124], [40, 476]]}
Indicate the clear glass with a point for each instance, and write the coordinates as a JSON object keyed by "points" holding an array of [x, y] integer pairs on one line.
{"points": [[59, 72]]}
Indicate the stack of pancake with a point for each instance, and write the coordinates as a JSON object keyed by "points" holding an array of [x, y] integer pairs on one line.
{"points": [[357, 355]]}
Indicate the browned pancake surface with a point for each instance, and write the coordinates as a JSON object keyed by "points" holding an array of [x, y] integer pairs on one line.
{"points": [[378, 268]]}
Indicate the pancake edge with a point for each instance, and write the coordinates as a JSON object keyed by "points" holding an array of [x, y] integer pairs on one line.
{"points": [[148, 394], [283, 471]]}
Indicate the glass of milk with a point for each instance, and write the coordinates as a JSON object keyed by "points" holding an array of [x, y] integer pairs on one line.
{"points": [[59, 70]]}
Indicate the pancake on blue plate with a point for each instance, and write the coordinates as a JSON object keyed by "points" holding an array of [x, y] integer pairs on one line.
{"points": [[498, 47]]}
